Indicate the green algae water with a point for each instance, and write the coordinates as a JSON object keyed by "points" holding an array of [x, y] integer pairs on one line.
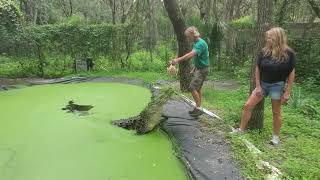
{"points": [[39, 141]]}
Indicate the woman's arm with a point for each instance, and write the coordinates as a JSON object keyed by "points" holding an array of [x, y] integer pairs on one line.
{"points": [[287, 92], [290, 81]]}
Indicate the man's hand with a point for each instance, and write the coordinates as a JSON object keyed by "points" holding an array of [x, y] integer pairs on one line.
{"points": [[285, 97], [258, 91], [173, 62], [183, 58]]}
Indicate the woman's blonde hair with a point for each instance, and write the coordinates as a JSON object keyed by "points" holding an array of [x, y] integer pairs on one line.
{"points": [[193, 31], [279, 46]]}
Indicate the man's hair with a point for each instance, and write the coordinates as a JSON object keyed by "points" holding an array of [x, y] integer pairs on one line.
{"points": [[193, 31]]}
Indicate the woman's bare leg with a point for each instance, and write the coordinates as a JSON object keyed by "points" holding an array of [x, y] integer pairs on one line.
{"points": [[276, 110], [247, 109]]}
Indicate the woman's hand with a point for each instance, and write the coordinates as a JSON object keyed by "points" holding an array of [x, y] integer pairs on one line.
{"points": [[285, 97], [258, 91]]}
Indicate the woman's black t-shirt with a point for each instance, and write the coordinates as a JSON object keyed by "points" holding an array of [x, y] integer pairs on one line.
{"points": [[272, 71]]}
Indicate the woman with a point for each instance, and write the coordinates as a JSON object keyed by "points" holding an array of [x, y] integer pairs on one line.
{"points": [[200, 55], [275, 65]]}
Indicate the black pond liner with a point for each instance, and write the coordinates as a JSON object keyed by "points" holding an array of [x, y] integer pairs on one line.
{"points": [[205, 156]]}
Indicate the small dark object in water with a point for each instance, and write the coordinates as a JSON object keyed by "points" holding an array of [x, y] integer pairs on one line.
{"points": [[72, 107]]}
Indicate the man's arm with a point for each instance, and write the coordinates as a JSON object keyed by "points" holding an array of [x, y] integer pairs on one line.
{"points": [[185, 57]]}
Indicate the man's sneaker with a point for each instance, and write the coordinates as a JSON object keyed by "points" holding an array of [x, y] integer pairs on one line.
{"points": [[197, 112], [275, 140], [193, 111], [237, 131]]}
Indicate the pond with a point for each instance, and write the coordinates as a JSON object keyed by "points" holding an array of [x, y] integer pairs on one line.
{"points": [[40, 141]]}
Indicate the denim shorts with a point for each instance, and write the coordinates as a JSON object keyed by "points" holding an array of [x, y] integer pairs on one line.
{"points": [[275, 90]]}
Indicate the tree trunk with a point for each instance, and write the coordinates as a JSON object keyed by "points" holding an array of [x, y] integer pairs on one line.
{"points": [[179, 26], [215, 43], [112, 4], [315, 6], [204, 9], [216, 36], [229, 9], [35, 15], [123, 16], [71, 7], [67, 12], [151, 35], [41, 59], [263, 24], [238, 10]]}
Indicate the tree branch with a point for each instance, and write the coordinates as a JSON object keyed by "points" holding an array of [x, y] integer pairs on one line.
{"points": [[315, 6]]}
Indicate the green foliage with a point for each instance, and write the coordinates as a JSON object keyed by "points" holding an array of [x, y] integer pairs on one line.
{"points": [[76, 19], [308, 107], [10, 14], [20, 67], [73, 39], [57, 65], [164, 51], [307, 59], [243, 73], [144, 61], [243, 23], [296, 100], [10, 20]]}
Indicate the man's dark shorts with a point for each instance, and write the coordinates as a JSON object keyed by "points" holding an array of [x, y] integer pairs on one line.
{"points": [[198, 79]]}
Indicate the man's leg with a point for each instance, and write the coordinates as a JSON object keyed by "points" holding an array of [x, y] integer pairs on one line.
{"points": [[194, 84], [195, 87], [196, 97]]}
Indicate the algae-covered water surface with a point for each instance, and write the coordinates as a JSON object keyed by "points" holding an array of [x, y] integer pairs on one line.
{"points": [[39, 141]]}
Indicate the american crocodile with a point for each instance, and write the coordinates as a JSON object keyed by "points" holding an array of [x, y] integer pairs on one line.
{"points": [[150, 117]]}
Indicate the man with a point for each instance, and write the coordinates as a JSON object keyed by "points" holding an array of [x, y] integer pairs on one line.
{"points": [[200, 55]]}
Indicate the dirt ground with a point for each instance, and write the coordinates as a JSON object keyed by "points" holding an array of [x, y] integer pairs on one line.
{"points": [[8, 82]]}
